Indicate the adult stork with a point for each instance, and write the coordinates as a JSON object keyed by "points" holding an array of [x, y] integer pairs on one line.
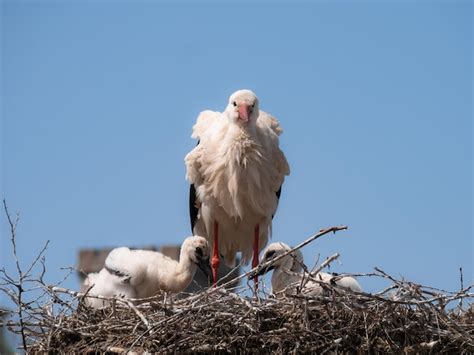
{"points": [[236, 172]]}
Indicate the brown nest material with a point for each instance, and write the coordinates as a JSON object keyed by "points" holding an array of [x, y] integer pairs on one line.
{"points": [[405, 317]]}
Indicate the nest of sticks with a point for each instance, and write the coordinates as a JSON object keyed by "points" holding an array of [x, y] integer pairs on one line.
{"points": [[404, 317], [225, 321]]}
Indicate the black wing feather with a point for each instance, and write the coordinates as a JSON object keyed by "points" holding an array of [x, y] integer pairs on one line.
{"points": [[193, 210], [125, 277], [278, 193]]}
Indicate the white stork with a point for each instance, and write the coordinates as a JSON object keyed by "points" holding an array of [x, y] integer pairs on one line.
{"points": [[287, 272], [236, 172], [142, 273]]}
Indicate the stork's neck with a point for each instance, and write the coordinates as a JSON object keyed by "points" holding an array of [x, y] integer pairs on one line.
{"points": [[239, 141], [283, 276], [184, 273], [248, 129]]}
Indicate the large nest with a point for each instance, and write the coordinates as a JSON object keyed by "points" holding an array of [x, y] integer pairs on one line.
{"points": [[403, 317], [414, 321]]}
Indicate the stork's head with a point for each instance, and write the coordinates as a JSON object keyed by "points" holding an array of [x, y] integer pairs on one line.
{"points": [[291, 262], [242, 107], [198, 251]]}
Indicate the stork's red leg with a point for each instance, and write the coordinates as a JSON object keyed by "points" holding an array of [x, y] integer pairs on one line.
{"points": [[215, 254], [255, 253]]}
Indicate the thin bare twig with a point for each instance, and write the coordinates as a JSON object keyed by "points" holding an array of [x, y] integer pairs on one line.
{"points": [[19, 284]]}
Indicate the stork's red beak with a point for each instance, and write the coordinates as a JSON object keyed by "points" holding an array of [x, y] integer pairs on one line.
{"points": [[244, 112]]}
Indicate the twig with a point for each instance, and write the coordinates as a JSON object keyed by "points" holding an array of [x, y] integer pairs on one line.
{"points": [[139, 314], [325, 263], [19, 284]]}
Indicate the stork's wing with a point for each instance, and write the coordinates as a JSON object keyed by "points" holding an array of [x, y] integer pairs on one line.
{"points": [[265, 118], [193, 207], [193, 203], [207, 123], [126, 265], [270, 129], [193, 175], [284, 169], [278, 194]]}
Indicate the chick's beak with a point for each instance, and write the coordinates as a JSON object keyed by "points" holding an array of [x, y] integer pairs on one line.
{"points": [[204, 265], [244, 112], [264, 270]]}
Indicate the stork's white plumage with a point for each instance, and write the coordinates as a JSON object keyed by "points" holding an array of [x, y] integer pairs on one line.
{"points": [[236, 172], [142, 273], [287, 273]]}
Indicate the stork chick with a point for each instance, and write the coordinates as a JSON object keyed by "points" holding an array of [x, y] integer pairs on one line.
{"points": [[142, 273], [236, 172], [287, 273]]}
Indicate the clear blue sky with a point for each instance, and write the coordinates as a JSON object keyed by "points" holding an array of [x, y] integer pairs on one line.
{"points": [[98, 101]]}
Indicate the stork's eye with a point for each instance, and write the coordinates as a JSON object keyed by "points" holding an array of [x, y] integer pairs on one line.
{"points": [[253, 105], [199, 252], [234, 103], [269, 255]]}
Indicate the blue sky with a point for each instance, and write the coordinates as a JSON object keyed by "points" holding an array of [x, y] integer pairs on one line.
{"points": [[98, 101]]}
